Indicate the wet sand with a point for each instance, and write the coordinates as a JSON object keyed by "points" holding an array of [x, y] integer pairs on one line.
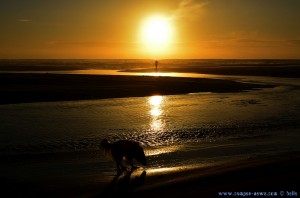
{"points": [[262, 174], [287, 71], [289, 68], [273, 173], [26, 88]]}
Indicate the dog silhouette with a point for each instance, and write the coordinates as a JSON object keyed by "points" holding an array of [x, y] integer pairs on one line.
{"points": [[124, 150]]}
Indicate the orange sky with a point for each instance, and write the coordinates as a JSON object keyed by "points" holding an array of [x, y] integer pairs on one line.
{"points": [[111, 29]]}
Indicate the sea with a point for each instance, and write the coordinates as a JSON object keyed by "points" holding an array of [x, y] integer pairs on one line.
{"points": [[60, 141]]}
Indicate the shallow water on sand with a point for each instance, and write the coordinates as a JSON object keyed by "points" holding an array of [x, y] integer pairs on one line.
{"points": [[153, 121], [49, 141]]}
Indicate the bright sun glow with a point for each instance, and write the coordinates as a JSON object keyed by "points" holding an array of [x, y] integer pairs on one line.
{"points": [[156, 34]]}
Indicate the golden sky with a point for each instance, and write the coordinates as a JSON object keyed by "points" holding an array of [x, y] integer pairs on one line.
{"points": [[112, 28]]}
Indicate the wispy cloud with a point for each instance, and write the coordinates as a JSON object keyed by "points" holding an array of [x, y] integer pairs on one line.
{"points": [[23, 20], [188, 9]]}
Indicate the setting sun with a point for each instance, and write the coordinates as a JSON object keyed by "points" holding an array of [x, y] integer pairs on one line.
{"points": [[156, 34]]}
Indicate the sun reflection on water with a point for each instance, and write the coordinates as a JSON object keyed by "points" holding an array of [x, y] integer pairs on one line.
{"points": [[156, 103], [163, 150], [155, 112], [155, 100]]}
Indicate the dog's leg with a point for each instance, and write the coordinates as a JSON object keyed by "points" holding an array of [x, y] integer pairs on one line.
{"points": [[119, 164], [129, 160]]}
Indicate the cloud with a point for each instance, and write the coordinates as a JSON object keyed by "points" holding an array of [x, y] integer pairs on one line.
{"points": [[24, 20], [188, 9], [244, 40]]}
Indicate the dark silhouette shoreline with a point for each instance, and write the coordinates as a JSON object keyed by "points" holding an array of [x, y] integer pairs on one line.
{"points": [[28, 88]]}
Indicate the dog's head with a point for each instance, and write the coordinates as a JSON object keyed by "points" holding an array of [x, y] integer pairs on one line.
{"points": [[104, 143], [106, 147]]}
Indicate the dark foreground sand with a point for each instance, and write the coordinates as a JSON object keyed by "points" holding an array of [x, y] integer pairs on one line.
{"points": [[263, 174], [266, 174], [23, 88]]}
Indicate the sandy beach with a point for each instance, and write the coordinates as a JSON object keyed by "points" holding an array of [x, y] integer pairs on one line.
{"points": [[24, 88], [262, 174], [72, 174], [288, 71]]}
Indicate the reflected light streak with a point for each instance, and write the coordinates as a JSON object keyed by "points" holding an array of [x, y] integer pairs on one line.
{"points": [[157, 125], [163, 150], [181, 169], [155, 100], [156, 111], [117, 72]]}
